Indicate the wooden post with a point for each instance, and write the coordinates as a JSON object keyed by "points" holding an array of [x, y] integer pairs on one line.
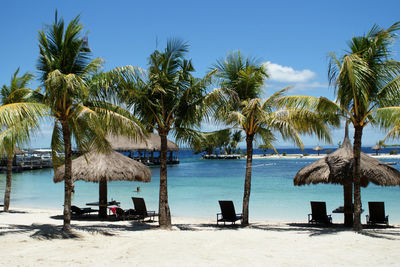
{"points": [[103, 198]]}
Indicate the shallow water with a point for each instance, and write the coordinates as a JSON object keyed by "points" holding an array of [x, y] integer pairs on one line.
{"points": [[196, 185]]}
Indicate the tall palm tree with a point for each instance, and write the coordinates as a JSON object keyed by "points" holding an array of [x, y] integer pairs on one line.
{"points": [[19, 131], [366, 79], [367, 86], [70, 86], [257, 117], [168, 99]]}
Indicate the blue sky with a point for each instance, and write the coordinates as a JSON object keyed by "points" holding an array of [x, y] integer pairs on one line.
{"points": [[294, 37]]}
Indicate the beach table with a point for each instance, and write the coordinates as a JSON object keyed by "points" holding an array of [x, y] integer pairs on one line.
{"points": [[109, 204]]}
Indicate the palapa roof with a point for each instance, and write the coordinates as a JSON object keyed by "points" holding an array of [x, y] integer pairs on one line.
{"points": [[152, 143], [113, 166], [376, 147], [337, 167], [318, 148]]}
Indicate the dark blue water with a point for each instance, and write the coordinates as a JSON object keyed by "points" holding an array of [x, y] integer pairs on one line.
{"points": [[196, 185]]}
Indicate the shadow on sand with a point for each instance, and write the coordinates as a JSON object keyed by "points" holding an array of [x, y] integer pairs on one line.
{"points": [[375, 231], [111, 227]]}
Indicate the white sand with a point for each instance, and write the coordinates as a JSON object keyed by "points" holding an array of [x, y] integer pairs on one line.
{"points": [[32, 238]]}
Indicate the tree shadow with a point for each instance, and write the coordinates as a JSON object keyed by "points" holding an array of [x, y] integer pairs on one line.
{"points": [[50, 231], [206, 227], [41, 231], [378, 231]]}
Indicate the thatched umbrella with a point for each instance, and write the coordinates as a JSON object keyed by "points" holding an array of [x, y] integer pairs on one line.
{"points": [[376, 148], [318, 149], [337, 168], [100, 168]]}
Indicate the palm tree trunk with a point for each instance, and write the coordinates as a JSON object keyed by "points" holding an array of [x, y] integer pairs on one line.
{"points": [[103, 198], [67, 177], [348, 203], [163, 208], [356, 179], [8, 182], [247, 182]]}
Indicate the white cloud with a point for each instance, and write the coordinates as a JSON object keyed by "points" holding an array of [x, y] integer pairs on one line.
{"points": [[281, 73]]}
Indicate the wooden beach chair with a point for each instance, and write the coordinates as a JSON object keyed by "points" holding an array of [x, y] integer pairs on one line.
{"points": [[318, 213], [141, 211], [377, 213], [81, 211], [228, 213]]}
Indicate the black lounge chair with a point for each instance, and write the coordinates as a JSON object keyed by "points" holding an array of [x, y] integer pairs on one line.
{"points": [[318, 213], [141, 212], [377, 213], [228, 213], [79, 212]]}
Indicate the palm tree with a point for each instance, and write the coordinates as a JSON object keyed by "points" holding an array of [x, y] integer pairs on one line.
{"points": [[366, 79], [259, 118], [70, 86], [168, 99], [367, 88], [19, 131], [236, 139]]}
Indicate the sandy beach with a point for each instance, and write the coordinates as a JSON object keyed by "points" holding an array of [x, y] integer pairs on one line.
{"points": [[32, 237]]}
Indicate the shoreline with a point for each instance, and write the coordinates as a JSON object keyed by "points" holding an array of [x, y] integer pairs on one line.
{"points": [[33, 237], [315, 156]]}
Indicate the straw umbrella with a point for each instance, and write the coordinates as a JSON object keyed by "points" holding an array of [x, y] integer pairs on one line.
{"points": [[376, 148], [100, 168], [337, 168], [318, 149]]}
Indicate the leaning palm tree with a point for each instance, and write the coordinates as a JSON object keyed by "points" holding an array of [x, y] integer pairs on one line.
{"points": [[18, 132], [257, 117], [169, 100], [70, 84]]}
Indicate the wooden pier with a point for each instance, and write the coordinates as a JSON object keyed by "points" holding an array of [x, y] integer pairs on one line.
{"points": [[213, 156]]}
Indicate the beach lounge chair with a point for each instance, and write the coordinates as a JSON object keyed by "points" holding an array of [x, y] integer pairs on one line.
{"points": [[377, 213], [318, 213], [228, 213], [78, 211], [141, 211]]}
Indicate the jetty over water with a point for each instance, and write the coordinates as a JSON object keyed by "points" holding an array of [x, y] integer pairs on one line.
{"points": [[221, 156], [29, 160]]}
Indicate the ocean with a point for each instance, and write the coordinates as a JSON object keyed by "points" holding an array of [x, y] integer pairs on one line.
{"points": [[196, 185]]}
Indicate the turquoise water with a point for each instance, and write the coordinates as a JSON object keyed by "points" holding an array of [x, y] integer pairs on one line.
{"points": [[195, 186]]}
